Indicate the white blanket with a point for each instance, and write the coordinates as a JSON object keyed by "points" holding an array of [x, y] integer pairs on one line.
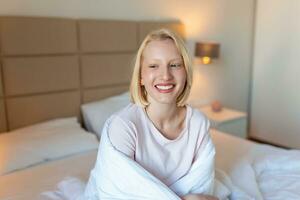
{"points": [[116, 177], [122, 178], [278, 174]]}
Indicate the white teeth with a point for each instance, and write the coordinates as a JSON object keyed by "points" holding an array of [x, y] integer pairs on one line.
{"points": [[165, 87]]}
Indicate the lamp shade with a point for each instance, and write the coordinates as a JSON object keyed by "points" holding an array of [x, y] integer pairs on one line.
{"points": [[210, 50]]}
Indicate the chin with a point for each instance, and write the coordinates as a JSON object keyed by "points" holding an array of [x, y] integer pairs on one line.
{"points": [[165, 100], [168, 98]]}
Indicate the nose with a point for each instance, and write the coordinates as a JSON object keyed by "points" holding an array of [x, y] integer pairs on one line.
{"points": [[166, 73]]}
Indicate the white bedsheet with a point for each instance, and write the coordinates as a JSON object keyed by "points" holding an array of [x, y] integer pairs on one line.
{"points": [[261, 171], [278, 174], [28, 184]]}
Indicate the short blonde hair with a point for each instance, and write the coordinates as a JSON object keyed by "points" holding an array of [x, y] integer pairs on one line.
{"points": [[137, 91]]}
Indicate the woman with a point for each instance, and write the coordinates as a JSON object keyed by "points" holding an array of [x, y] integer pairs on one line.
{"points": [[158, 131]]}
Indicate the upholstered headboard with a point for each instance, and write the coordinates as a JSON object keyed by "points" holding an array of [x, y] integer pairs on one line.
{"points": [[50, 66]]}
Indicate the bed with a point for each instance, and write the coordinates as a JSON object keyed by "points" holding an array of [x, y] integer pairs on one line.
{"points": [[59, 81], [264, 178], [255, 170]]}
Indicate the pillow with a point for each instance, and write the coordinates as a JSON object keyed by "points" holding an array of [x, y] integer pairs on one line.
{"points": [[96, 113], [42, 142]]}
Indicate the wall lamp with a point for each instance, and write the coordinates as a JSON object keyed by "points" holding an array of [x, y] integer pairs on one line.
{"points": [[207, 51]]}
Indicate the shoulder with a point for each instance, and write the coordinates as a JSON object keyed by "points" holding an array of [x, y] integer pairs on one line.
{"points": [[122, 131], [199, 119], [125, 118], [128, 113], [200, 126]]}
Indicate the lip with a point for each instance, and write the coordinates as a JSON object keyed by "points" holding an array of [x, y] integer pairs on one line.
{"points": [[159, 88], [164, 84]]}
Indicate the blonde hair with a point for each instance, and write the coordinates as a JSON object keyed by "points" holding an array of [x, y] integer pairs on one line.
{"points": [[137, 91]]}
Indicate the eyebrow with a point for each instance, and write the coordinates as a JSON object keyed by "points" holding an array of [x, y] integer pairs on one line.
{"points": [[174, 59]]}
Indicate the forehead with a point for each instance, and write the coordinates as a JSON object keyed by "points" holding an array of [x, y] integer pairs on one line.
{"points": [[161, 48]]}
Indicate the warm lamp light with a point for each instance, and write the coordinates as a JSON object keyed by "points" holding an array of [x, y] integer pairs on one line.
{"points": [[207, 51]]}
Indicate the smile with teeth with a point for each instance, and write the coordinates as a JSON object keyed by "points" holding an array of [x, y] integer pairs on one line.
{"points": [[165, 88]]}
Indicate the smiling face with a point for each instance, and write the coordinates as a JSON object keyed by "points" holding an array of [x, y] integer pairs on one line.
{"points": [[163, 74]]}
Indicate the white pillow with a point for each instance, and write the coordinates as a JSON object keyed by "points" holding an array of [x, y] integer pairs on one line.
{"points": [[96, 113], [41, 142]]}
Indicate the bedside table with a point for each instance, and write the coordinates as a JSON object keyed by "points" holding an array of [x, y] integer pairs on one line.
{"points": [[227, 120]]}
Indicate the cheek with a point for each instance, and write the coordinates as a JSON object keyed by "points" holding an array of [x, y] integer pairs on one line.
{"points": [[185, 78], [142, 76], [146, 76], [142, 79], [181, 76]]}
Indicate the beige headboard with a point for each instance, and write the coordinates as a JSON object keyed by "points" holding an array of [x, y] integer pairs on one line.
{"points": [[50, 66]]}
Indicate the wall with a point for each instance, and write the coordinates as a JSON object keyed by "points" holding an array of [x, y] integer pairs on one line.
{"points": [[229, 22], [275, 109]]}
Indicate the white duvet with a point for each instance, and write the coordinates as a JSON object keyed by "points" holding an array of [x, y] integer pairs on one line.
{"points": [[262, 171], [247, 170], [116, 177], [278, 174]]}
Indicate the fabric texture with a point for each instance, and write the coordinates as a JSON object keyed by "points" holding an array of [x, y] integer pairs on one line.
{"points": [[96, 113], [278, 173], [45, 141], [133, 133], [121, 175], [116, 176]]}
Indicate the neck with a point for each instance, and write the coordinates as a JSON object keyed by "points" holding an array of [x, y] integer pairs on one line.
{"points": [[163, 114], [167, 118]]}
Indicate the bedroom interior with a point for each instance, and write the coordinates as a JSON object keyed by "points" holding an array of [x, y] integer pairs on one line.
{"points": [[57, 64], [50, 67]]}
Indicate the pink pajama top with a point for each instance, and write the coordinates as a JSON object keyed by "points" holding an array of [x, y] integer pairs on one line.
{"points": [[133, 133]]}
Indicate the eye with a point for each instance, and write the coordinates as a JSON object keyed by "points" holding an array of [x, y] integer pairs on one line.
{"points": [[152, 66], [175, 65]]}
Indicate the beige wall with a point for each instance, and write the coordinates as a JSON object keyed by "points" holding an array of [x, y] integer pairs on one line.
{"points": [[275, 110], [226, 21]]}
